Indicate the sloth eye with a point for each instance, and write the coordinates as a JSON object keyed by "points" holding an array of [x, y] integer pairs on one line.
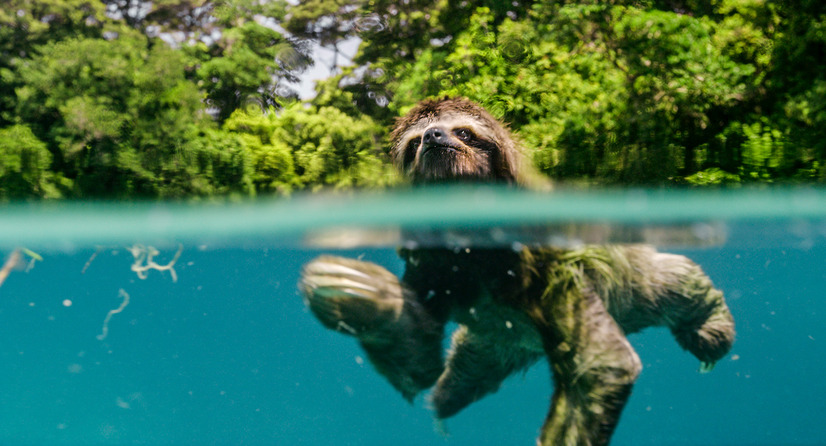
{"points": [[463, 134], [410, 151]]}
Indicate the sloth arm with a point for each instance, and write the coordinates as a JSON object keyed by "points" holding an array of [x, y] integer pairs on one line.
{"points": [[594, 367], [476, 366], [401, 338]]}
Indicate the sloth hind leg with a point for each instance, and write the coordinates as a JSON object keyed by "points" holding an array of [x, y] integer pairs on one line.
{"points": [[708, 330], [694, 311], [476, 366], [594, 369]]}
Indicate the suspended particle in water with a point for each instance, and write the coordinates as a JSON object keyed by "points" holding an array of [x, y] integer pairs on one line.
{"points": [[92, 258], [67, 303], [342, 326], [105, 329]]}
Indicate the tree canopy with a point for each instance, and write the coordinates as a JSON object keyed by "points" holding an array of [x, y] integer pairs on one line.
{"points": [[193, 98]]}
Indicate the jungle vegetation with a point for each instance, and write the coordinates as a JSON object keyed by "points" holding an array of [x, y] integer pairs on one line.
{"points": [[191, 98]]}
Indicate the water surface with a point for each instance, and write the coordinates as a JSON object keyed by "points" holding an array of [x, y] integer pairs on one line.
{"points": [[224, 352]]}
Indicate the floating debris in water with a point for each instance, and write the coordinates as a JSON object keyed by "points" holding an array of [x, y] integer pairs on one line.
{"points": [[15, 261], [105, 329], [144, 261], [473, 314]]}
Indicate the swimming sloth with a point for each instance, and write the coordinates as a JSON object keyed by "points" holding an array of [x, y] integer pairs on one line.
{"points": [[513, 307]]}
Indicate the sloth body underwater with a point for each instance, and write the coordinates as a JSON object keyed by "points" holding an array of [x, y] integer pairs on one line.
{"points": [[573, 307]]}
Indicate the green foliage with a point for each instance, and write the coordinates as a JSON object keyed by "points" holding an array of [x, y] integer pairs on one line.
{"points": [[26, 24], [610, 93], [239, 68], [118, 112], [312, 148], [120, 118], [222, 166], [188, 98], [618, 92], [334, 149], [713, 176], [271, 159], [24, 165]]}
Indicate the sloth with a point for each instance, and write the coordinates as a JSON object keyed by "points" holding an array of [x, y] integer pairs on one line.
{"points": [[513, 305]]}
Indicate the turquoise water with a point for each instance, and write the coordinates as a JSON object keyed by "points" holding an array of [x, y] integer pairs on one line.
{"points": [[224, 352]]}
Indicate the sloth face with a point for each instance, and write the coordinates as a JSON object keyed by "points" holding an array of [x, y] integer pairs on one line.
{"points": [[448, 148], [452, 140]]}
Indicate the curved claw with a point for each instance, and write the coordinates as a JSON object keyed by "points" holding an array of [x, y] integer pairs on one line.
{"points": [[707, 366], [328, 266], [351, 296], [339, 287]]}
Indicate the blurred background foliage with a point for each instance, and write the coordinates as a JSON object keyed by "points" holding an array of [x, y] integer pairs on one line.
{"points": [[195, 98]]}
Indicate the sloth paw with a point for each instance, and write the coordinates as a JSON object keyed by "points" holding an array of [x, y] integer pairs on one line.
{"points": [[358, 298], [711, 341]]}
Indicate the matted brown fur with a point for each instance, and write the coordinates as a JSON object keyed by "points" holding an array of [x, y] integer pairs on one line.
{"points": [[513, 305], [492, 154]]}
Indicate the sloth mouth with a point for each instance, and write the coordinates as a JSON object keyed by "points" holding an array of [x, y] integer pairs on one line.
{"points": [[438, 148]]}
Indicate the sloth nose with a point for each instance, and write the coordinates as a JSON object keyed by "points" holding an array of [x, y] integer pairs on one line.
{"points": [[435, 136]]}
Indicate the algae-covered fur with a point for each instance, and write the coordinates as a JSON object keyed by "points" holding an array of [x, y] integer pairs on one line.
{"points": [[573, 307]]}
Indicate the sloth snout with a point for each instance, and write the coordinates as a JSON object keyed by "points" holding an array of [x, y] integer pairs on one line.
{"points": [[435, 136]]}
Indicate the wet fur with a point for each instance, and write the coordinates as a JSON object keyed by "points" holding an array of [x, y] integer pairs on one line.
{"points": [[490, 155], [513, 306]]}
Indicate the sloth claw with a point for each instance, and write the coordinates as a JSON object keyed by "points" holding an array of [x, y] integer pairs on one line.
{"points": [[351, 296], [707, 366]]}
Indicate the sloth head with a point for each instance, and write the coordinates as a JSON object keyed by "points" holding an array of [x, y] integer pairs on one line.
{"points": [[454, 140]]}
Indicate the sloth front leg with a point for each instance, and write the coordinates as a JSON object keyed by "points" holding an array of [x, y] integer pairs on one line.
{"points": [[594, 368], [362, 299]]}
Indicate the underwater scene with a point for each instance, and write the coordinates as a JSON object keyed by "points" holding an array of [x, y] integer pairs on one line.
{"points": [[183, 324]]}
